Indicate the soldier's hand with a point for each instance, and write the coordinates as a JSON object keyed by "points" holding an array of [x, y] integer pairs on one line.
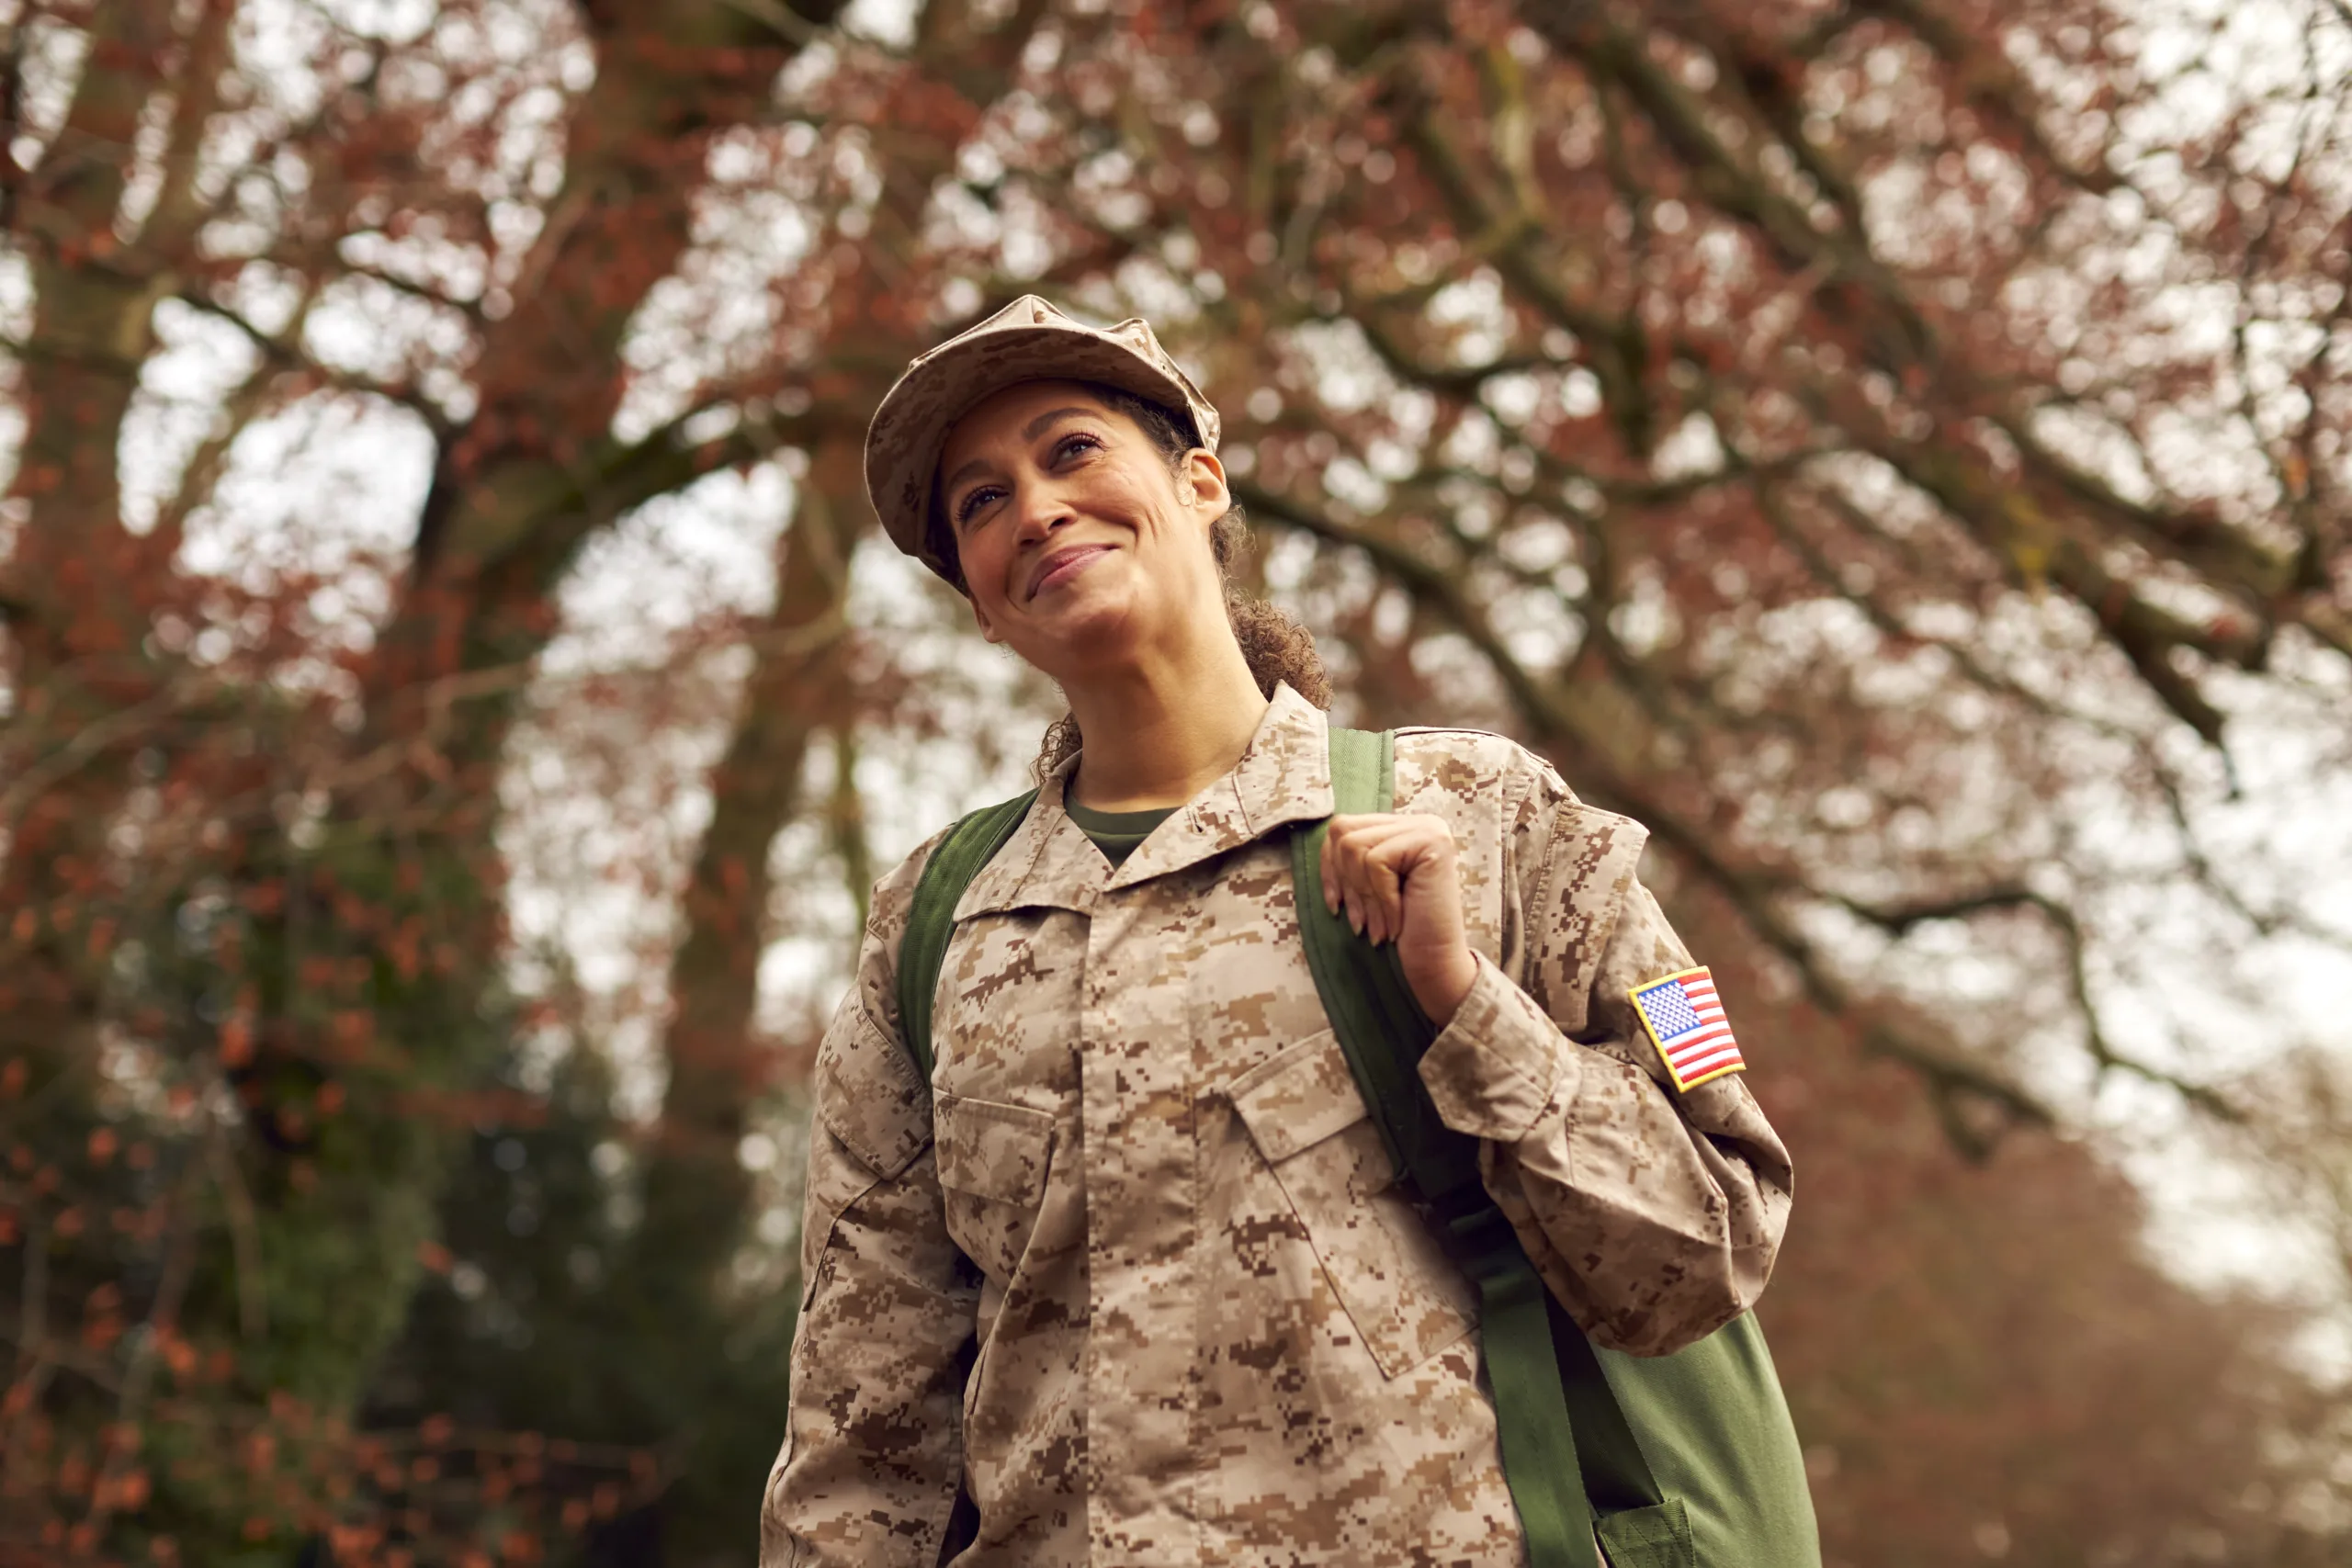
{"points": [[1398, 879]]}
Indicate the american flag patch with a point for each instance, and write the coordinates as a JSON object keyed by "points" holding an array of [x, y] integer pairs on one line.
{"points": [[1686, 1025]]}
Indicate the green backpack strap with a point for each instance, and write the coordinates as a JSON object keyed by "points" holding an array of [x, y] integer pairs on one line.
{"points": [[1568, 1453], [931, 919]]}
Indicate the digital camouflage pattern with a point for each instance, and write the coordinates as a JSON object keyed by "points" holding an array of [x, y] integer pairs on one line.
{"points": [[1029, 340], [1209, 1327]]}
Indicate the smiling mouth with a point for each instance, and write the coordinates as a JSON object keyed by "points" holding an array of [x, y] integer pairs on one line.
{"points": [[1064, 565]]}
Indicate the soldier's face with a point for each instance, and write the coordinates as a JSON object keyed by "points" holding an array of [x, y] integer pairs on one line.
{"points": [[1079, 548]]}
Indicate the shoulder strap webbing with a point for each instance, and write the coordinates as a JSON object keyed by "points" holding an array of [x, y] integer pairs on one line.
{"points": [[931, 919], [1551, 1397]]}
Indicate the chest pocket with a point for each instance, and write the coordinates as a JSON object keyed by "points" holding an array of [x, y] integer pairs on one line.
{"points": [[992, 1164], [1405, 1296]]}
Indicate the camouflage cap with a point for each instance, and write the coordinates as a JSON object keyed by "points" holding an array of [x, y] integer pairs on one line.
{"points": [[1027, 340]]}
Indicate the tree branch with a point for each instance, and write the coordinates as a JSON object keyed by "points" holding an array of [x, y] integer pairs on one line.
{"points": [[1604, 764]]}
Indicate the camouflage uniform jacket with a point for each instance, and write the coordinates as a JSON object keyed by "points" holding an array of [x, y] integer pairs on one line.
{"points": [[1200, 1323]]}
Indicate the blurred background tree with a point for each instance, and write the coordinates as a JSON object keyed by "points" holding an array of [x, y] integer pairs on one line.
{"points": [[455, 700]]}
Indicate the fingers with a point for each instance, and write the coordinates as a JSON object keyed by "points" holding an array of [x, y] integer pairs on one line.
{"points": [[1368, 859], [1348, 878], [1387, 852]]}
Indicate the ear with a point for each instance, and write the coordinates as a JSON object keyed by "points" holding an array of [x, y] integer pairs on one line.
{"points": [[1203, 482]]}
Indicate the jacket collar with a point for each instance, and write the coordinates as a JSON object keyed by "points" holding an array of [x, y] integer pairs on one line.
{"points": [[1284, 778]]}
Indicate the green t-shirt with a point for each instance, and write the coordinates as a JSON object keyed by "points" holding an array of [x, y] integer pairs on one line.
{"points": [[1116, 833]]}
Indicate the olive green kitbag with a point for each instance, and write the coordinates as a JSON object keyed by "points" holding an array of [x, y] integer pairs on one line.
{"points": [[1688, 1461]]}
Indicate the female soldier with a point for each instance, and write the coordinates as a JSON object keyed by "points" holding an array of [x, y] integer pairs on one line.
{"points": [[1132, 1271]]}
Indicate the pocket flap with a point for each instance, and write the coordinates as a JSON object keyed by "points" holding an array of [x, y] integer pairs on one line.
{"points": [[1300, 1096], [991, 1150], [1655, 1537], [871, 1097]]}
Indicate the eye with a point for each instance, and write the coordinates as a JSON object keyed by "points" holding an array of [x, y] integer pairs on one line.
{"points": [[974, 499], [1075, 442]]}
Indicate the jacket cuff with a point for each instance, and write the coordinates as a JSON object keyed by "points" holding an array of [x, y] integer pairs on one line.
{"points": [[1493, 1069]]}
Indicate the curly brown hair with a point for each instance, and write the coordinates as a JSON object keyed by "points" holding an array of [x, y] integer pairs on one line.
{"points": [[1277, 648]]}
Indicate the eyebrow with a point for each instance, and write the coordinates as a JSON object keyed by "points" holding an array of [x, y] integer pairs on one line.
{"points": [[1029, 431]]}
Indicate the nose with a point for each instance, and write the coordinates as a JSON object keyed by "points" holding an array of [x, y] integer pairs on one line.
{"points": [[1039, 508]]}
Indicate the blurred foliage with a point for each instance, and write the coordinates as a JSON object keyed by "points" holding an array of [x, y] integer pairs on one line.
{"points": [[558, 1309], [1899, 453]]}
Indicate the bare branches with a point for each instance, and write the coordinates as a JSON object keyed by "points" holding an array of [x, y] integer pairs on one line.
{"points": [[1899, 920], [1571, 721], [1759, 431], [244, 1237], [12, 97], [1993, 87], [36, 776], [282, 353], [171, 227]]}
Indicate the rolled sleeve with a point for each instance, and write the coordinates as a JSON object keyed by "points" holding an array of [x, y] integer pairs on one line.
{"points": [[1501, 1060]]}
